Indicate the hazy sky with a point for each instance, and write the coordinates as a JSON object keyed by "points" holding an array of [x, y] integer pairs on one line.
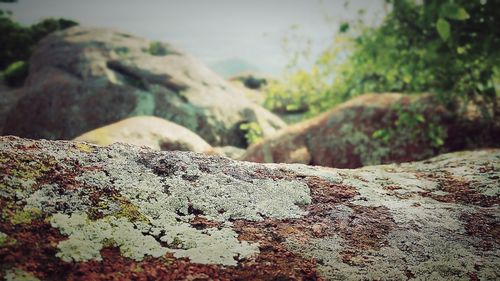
{"points": [[212, 30]]}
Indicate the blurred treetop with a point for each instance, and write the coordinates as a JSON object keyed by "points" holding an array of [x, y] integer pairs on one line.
{"points": [[446, 47], [18, 42]]}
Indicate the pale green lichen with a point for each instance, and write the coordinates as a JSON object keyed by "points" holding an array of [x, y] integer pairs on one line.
{"points": [[166, 202], [17, 274], [3, 239], [222, 245], [87, 238], [25, 216], [51, 198], [149, 208], [84, 147]]}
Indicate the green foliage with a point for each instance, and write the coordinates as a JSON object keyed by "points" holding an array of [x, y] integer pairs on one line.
{"points": [[15, 74], [157, 49], [443, 28], [297, 95], [449, 48], [445, 47], [411, 125], [18, 42], [253, 132]]}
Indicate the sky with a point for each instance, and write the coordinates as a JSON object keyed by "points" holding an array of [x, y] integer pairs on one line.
{"points": [[214, 30]]}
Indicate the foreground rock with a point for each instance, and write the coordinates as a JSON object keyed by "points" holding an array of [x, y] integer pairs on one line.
{"points": [[84, 78], [74, 211], [344, 136], [149, 131]]}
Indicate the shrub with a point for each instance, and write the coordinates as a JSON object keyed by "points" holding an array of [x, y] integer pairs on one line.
{"points": [[15, 74], [157, 49], [253, 132]]}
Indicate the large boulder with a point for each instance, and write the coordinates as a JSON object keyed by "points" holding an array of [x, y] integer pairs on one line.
{"points": [[8, 99], [74, 211], [84, 78], [363, 131], [253, 84], [149, 131]]}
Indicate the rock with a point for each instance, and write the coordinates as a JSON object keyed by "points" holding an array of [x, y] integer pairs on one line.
{"points": [[343, 137], [8, 99], [252, 84], [230, 151], [84, 78], [71, 210], [150, 131]]}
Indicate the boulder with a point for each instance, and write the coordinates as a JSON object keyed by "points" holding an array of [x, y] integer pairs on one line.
{"points": [[8, 99], [150, 131], [74, 211], [230, 151], [252, 84], [84, 78], [346, 136]]}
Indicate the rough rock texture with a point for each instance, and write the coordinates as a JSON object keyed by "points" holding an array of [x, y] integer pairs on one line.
{"points": [[150, 131], [84, 78], [73, 211], [343, 137]]}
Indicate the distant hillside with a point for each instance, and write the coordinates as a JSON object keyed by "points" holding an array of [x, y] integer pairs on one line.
{"points": [[233, 66]]}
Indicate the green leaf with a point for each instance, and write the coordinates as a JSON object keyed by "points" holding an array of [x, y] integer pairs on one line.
{"points": [[443, 28], [344, 27], [454, 12], [420, 118]]}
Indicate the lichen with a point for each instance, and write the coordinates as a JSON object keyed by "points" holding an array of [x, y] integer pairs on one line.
{"points": [[112, 192], [168, 204], [17, 274], [5, 240], [84, 147], [25, 216], [51, 198], [87, 238], [222, 245]]}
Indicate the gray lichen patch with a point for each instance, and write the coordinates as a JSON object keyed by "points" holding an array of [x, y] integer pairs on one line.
{"points": [[52, 198], [3, 238], [87, 238], [430, 241], [424, 256], [17, 274], [167, 204]]}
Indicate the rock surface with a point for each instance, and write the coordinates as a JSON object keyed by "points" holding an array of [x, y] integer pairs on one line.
{"points": [[343, 137], [8, 100], [252, 84], [150, 131], [84, 78], [73, 211]]}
